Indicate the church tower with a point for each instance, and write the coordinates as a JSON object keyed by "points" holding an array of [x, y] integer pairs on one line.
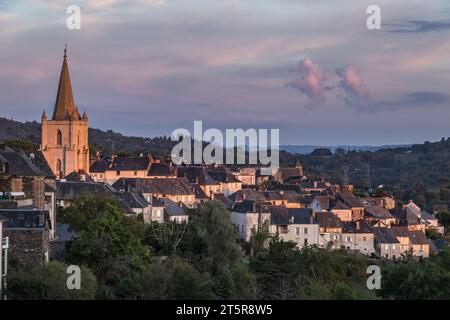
{"points": [[64, 141]]}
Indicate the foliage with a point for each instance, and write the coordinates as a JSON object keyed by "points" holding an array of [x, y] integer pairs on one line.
{"points": [[49, 283], [425, 280]]}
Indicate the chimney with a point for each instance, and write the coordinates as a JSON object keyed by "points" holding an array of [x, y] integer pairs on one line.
{"points": [[291, 219], [357, 225], [311, 219]]}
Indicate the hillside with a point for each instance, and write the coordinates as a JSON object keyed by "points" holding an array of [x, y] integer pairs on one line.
{"points": [[427, 163], [103, 141]]}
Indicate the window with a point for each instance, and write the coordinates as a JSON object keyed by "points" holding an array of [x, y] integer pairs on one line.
{"points": [[386, 247], [305, 230], [364, 239], [59, 138], [393, 247], [158, 213], [118, 173], [297, 231], [348, 239], [58, 166], [135, 173]]}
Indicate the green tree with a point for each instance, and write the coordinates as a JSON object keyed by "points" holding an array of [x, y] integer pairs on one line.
{"points": [[48, 282]]}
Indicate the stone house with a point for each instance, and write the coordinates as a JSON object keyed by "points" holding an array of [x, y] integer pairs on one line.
{"points": [[29, 234], [330, 229], [357, 236], [386, 244], [294, 224]]}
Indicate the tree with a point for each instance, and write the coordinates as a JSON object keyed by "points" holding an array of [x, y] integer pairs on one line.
{"points": [[109, 245], [48, 282]]}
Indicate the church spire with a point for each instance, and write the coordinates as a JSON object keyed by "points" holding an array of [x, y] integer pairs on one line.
{"points": [[65, 104]]}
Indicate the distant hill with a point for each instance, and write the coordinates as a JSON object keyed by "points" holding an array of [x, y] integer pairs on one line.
{"points": [[390, 165], [103, 141], [307, 149]]}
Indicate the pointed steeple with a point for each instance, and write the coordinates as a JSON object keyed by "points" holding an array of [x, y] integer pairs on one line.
{"points": [[65, 105]]}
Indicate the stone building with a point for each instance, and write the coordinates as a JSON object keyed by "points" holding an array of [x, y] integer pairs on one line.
{"points": [[64, 141], [29, 235]]}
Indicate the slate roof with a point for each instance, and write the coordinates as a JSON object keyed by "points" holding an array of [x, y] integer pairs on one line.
{"points": [[339, 205], [356, 227], [159, 169], [196, 174], [400, 231], [21, 218], [172, 208], [223, 176], [324, 201], [350, 200], [80, 177], [199, 193], [19, 164], [99, 166], [71, 190], [129, 163], [280, 215], [133, 200], [165, 186], [385, 235], [418, 237], [328, 219], [378, 212]]}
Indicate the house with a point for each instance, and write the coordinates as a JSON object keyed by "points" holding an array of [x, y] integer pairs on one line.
{"points": [[26, 182], [199, 176], [248, 215], [294, 224], [341, 210], [419, 244], [174, 212], [431, 222], [136, 204], [402, 235], [143, 167], [176, 189], [379, 216], [330, 229], [28, 231], [228, 182], [68, 191], [283, 174], [247, 175], [357, 236], [320, 203], [386, 244], [354, 203]]}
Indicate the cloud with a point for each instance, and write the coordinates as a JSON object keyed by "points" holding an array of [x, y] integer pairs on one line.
{"points": [[311, 82], [418, 99], [355, 91], [419, 26]]}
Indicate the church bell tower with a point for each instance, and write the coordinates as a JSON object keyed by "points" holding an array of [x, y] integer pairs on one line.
{"points": [[64, 142]]}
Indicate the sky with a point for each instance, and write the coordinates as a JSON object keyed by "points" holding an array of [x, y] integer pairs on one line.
{"points": [[310, 68]]}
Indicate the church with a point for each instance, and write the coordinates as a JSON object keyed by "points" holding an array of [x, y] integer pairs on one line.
{"points": [[64, 142]]}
